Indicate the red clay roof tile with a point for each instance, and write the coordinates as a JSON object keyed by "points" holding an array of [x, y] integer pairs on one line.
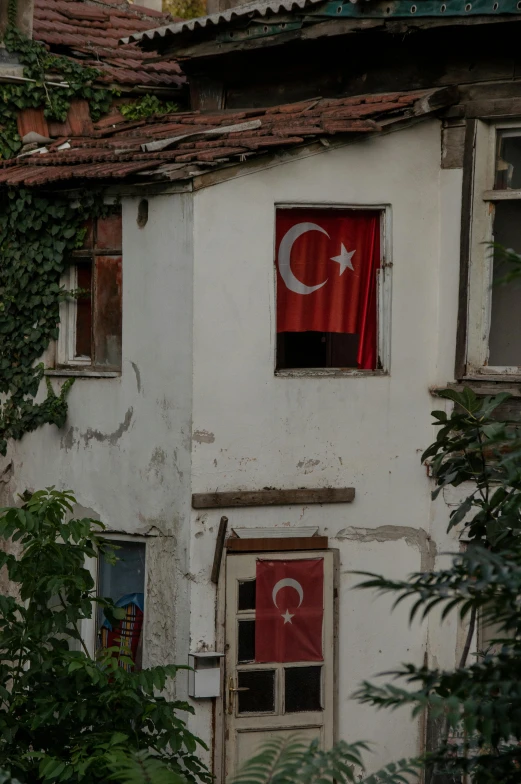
{"points": [[95, 27], [119, 150]]}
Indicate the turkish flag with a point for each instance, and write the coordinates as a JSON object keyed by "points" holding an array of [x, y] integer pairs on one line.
{"points": [[327, 266], [289, 610]]}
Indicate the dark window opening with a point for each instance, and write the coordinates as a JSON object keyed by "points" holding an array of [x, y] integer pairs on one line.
{"points": [[317, 350]]}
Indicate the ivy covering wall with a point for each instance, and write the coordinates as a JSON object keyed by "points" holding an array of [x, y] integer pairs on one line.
{"points": [[38, 232]]}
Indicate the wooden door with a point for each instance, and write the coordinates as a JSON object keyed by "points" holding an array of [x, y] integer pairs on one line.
{"points": [[263, 701]]}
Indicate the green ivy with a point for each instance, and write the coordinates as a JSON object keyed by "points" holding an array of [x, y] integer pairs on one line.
{"points": [[37, 236], [44, 67], [147, 106]]}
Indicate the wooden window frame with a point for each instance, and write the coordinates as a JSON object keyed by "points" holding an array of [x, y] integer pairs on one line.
{"points": [[477, 223], [66, 358], [383, 294]]}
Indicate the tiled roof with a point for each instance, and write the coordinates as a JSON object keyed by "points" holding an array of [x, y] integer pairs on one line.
{"points": [[180, 146], [90, 30]]}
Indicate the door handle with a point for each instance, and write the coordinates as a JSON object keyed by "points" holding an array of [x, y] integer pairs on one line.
{"points": [[232, 689]]}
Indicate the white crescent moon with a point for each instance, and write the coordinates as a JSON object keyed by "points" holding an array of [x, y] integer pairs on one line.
{"points": [[286, 244], [288, 582]]}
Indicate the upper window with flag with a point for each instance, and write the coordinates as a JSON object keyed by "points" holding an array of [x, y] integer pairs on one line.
{"points": [[331, 289]]}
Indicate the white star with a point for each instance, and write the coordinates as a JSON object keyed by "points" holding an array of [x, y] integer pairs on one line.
{"points": [[344, 259], [287, 617]]}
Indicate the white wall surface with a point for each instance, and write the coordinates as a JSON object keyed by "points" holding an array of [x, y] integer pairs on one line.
{"points": [[203, 411], [254, 430]]}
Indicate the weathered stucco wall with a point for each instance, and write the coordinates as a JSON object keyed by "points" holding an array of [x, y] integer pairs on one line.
{"points": [[125, 450], [256, 430], [201, 410]]}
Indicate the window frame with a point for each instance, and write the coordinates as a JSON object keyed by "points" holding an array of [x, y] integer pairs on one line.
{"points": [[89, 626], [65, 360], [480, 226], [67, 332], [383, 291]]}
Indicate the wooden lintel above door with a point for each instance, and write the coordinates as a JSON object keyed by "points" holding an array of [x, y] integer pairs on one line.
{"points": [[273, 497], [278, 545]]}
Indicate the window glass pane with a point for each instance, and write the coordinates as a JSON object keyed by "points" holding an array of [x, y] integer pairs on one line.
{"points": [[260, 697], [83, 346], [107, 312], [505, 323], [246, 646], [124, 583], [508, 160], [327, 264], [302, 689], [247, 594]]}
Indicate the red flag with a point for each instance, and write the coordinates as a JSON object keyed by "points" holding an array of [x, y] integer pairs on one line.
{"points": [[327, 262], [289, 610]]}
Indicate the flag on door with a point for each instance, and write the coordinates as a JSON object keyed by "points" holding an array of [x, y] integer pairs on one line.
{"points": [[327, 264], [289, 610]]}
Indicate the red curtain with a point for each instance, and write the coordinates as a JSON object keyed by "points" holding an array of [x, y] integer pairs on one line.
{"points": [[327, 262]]}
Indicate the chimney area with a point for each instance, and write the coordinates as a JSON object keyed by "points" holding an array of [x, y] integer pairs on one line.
{"points": [[9, 65]]}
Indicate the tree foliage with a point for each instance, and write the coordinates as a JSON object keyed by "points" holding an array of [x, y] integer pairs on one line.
{"points": [[479, 702], [66, 715]]}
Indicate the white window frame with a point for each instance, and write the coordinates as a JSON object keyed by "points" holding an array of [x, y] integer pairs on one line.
{"points": [[67, 334], [383, 294], [481, 263], [88, 626]]}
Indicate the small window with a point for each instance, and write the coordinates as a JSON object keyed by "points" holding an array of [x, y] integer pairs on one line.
{"points": [[90, 332], [328, 265], [124, 583]]}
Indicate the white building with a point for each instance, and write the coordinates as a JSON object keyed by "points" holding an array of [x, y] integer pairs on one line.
{"points": [[203, 402]]}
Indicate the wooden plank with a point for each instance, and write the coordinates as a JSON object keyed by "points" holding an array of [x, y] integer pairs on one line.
{"points": [[466, 217], [276, 545], [513, 195], [499, 108], [219, 547], [304, 497]]}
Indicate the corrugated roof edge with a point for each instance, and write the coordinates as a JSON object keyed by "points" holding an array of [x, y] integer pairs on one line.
{"points": [[250, 9]]}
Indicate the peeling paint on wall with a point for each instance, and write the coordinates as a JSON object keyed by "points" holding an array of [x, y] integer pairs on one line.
{"points": [[72, 435], [204, 437], [414, 537]]}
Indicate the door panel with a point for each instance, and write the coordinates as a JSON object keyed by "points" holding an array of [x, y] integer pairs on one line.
{"points": [[273, 699]]}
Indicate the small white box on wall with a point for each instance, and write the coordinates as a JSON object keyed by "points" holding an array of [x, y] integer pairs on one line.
{"points": [[204, 677]]}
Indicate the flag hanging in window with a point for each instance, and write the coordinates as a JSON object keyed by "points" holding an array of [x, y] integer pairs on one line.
{"points": [[289, 610], [327, 264]]}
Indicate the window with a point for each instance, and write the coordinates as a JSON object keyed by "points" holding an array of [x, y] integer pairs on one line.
{"points": [[124, 583], [90, 331], [332, 289], [494, 310]]}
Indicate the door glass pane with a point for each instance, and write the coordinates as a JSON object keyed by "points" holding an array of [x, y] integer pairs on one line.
{"points": [[302, 689], [260, 697], [508, 161], [246, 641], [505, 322], [247, 594]]}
